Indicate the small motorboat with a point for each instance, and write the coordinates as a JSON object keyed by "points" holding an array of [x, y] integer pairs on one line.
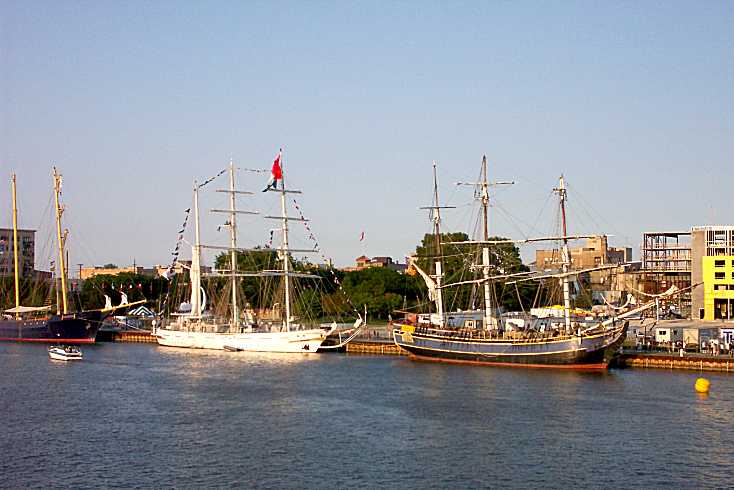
{"points": [[64, 353]]}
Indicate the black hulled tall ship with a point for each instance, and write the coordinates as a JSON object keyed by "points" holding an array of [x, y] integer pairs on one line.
{"points": [[39, 323], [485, 336]]}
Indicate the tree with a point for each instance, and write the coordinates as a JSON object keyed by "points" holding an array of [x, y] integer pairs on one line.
{"points": [[460, 262], [381, 289]]}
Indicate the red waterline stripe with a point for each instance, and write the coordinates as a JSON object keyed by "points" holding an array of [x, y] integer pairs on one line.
{"points": [[577, 367]]}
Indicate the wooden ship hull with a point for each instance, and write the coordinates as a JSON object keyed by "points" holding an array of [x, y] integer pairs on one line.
{"points": [[592, 351]]}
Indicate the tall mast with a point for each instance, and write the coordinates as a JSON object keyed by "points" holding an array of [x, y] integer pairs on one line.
{"points": [[485, 197], [233, 243], [565, 254], [284, 248], [482, 193], [61, 240], [439, 254], [15, 248], [196, 260], [488, 323]]}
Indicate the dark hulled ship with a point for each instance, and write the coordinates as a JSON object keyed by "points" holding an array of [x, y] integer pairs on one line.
{"points": [[592, 350], [490, 339], [38, 324], [76, 328]]}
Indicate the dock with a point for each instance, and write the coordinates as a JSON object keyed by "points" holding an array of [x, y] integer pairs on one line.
{"points": [[669, 361], [138, 336], [374, 347]]}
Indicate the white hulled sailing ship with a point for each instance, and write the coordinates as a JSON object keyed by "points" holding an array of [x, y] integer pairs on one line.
{"points": [[487, 337], [244, 329]]}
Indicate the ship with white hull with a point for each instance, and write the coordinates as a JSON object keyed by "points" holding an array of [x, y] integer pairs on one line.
{"points": [[196, 329]]}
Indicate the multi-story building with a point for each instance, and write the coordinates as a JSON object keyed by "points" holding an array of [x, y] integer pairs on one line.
{"points": [[597, 252], [364, 262], [26, 252], [712, 268], [666, 262]]}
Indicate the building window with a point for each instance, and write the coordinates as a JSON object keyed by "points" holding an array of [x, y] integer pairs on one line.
{"points": [[720, 263], [719, 275]]}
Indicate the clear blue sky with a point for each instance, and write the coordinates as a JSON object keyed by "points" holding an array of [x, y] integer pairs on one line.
{"points": [[632, 101]]}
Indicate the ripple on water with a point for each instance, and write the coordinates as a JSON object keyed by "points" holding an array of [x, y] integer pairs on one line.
{"points": [[142, 416]]}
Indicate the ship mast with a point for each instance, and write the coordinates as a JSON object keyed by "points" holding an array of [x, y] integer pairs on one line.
{"points": [[232, 224], [482, 194], [436, 215], [15, 249], [195, 271], [488, 318], [565, 256], [284, 248], [61, 240], [233, 243]]}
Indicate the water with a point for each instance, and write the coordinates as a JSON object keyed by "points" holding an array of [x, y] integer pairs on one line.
{"points": [[136, 415]]}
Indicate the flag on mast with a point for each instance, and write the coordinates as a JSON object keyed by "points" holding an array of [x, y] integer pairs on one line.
{"points": [[276, 173], [361, 237]]}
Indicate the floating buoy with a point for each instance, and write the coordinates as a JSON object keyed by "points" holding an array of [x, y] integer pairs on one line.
{"points": [[702, 385]]}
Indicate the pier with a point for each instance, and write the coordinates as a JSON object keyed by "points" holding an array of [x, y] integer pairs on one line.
{"points": [[669, 361], [138, 336]]}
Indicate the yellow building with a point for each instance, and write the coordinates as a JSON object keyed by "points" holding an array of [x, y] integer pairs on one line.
{"points": [[718, 287], [712, 269]]}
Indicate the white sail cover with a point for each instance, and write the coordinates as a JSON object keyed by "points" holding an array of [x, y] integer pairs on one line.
{"points": [[28, 309], [195, 274], [430, 283]]}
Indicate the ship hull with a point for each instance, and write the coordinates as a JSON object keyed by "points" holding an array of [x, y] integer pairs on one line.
{"points": [[586, 352], [79, 328], [285, 342]]}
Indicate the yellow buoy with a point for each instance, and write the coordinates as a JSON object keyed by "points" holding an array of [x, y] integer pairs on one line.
{"points": [[702, 385]]}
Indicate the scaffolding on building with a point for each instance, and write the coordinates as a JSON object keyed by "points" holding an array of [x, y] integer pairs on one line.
{"points": [[666, 262]]}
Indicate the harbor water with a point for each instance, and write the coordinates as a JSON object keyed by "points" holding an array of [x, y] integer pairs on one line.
{"points": [[137, 415]]}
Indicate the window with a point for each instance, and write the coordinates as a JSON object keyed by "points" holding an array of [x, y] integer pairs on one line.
{"points": [[662, 333], [719, 263], [720, 275]]}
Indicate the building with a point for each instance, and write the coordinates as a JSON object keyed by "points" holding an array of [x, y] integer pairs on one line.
{"points": [[712, 266], [364, 262], [666, 262], [180, 267], [26, 252], [89, 272], [597, 252]]}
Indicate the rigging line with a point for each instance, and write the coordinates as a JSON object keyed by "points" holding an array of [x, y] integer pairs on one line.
{"points": [[533, 227], [510, 219], [591, 208]]}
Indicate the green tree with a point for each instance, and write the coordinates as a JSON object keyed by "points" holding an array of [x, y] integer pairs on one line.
{"points": [[381, 289], [460, 263]]}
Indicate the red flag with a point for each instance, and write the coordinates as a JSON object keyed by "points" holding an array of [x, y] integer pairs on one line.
{"points": [[276, 173]]}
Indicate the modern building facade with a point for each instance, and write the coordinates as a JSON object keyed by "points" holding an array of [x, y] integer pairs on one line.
{"points": [[712, 266], [26, 252]]}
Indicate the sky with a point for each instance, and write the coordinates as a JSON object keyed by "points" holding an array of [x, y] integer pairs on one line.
{"points": [[631, 101]]}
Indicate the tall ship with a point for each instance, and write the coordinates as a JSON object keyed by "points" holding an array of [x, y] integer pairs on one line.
{"points": [[41, 323], [487, 336], [287, 325]]}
